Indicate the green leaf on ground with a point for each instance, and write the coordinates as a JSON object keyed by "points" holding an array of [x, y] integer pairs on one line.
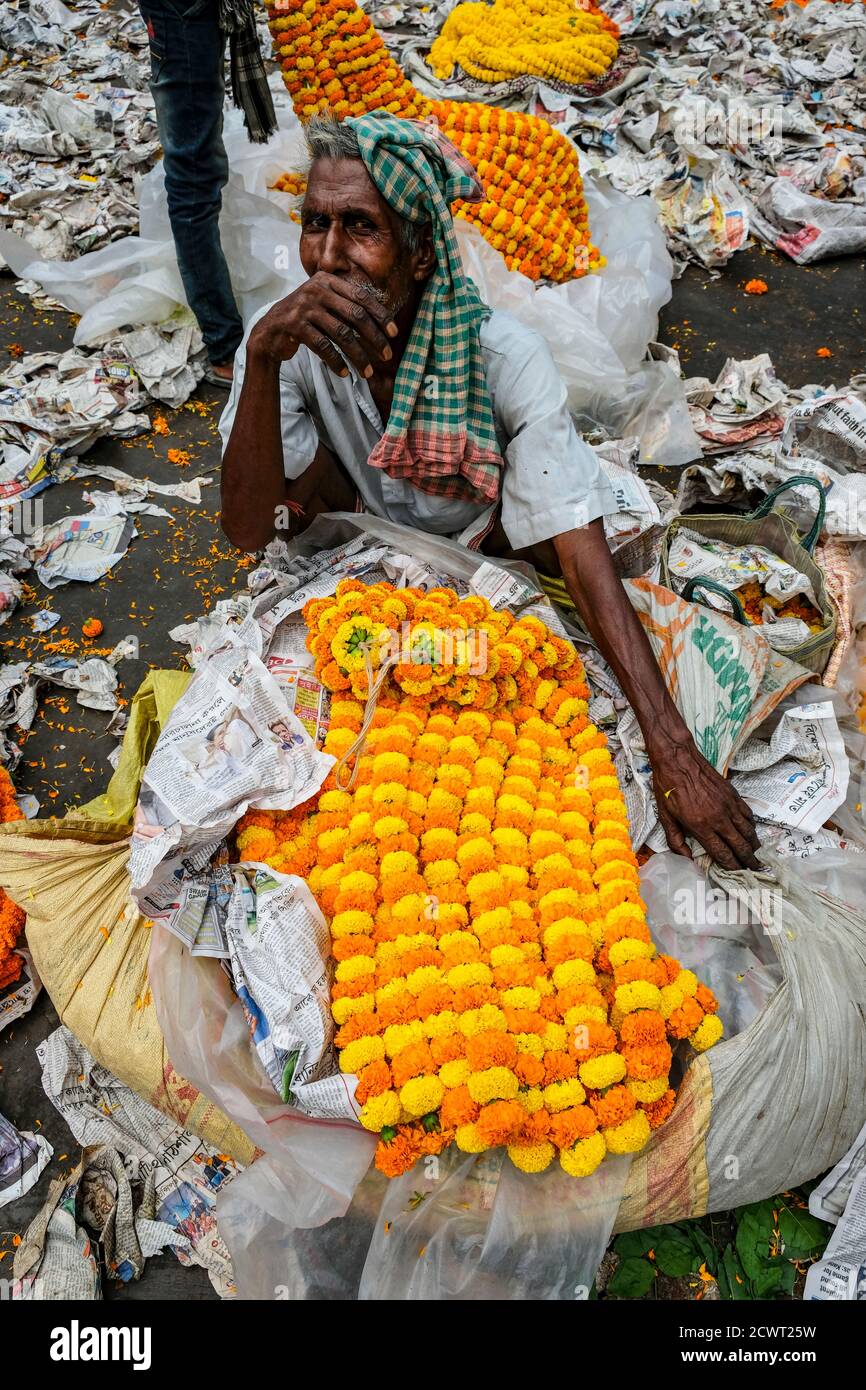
{"points": [[803, 1234], [732, 1280], [755, 1227], [675, 1256], [632, 1279], [634, 1243]]}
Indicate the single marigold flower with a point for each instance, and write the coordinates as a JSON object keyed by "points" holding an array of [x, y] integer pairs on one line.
{"points": [[614, 1107], [657, 1111]]}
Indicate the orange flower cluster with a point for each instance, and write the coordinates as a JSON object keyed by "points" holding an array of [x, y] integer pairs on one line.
{"points": [[754, 600], [534, 210], [292, 183], [11, 917], [495, 983]]}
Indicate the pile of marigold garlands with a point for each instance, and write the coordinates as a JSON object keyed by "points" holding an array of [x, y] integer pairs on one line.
{"points": [[571, 41], [534, 211], [11, 917], [495, 983]]}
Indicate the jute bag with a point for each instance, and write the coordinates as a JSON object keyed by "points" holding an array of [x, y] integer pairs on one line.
{"points": [[778, 533]]}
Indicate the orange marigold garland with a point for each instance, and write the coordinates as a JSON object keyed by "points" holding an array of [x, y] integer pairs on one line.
{"points": [[495, 983], [534, 210], [11, 917]]}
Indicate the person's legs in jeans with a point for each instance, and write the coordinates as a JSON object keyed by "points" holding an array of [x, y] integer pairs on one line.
{"points": [[187, 50]]}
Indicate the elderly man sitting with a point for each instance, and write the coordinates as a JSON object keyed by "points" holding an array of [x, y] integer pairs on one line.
{"points": [[384, 383]]}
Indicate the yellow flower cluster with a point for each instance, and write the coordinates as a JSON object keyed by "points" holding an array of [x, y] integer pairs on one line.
{"points": [[557, 39], [495, 983], [534, 211]]}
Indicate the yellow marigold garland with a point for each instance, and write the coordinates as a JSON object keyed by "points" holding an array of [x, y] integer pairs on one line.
{"points": [[557, 39], [534, 211], [495, 984]]}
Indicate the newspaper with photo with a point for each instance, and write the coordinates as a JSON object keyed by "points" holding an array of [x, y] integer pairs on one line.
{"points": [[180, 1174]]}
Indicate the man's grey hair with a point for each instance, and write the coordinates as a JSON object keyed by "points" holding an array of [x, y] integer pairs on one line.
{"points": [[328, 138]]}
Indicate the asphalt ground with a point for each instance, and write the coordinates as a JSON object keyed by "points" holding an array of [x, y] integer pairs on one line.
{"points": [[179, 566]]}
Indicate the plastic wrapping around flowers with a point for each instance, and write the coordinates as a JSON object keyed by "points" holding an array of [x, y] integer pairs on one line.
{"points": [[495, 980]]}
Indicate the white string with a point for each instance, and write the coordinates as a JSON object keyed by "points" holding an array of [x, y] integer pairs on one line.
{"points": [[356, 748]]}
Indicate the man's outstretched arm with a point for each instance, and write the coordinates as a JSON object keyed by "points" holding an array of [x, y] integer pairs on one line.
{"points": [[693, 799]]}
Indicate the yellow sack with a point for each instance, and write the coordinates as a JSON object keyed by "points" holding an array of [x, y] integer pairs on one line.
{"points": [[89, 941]]}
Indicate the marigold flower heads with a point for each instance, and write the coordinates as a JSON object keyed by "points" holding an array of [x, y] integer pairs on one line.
{"points": [[11, 917], [495, 984]]}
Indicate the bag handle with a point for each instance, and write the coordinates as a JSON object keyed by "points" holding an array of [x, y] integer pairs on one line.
{"points": [[699, 582], [764, 508]]}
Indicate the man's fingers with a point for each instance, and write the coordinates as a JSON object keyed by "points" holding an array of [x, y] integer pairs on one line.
{"points": [[747, 828], [350, 342], [724, 843], [370, 318], [319, 343], [360, 322], [717, 849], [673, 834], [740, 846], [325, 333], [744, 817]]}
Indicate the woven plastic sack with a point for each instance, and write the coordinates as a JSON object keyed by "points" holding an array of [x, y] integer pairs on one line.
{"points": [[87, 937], [780, 1102]]}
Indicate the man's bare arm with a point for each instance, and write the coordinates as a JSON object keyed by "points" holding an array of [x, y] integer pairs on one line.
{"points": [[253, 481], [693, 799]]}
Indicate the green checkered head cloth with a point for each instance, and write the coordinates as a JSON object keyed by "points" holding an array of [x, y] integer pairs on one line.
{"points": [[440, 434]]}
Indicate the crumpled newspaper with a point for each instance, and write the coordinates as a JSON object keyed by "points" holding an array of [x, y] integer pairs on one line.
{"points": [[799, 777], [744, 404], [811, 431], [840, 1197], [176, 1174], [52, 403], [745, 120], [23, 1156], [76, 123]]}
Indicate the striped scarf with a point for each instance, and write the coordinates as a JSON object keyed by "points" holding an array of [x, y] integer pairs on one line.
{"points": [[250, 90], [440, 433]]}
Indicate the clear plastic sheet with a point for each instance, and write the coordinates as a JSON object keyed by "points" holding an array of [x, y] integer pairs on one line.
{"points": [[710, 933], [477, 1229]]}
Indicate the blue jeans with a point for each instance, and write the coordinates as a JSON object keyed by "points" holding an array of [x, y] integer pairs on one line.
{"points": [[187, 58]]}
